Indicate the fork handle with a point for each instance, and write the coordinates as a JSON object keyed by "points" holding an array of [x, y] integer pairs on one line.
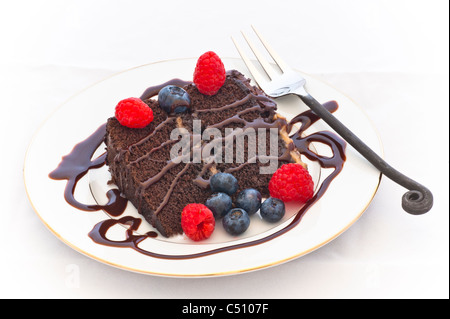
{"points": [[418, 200]]}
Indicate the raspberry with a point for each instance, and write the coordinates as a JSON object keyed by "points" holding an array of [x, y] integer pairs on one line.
{"points": [[197, 221], [291, 182], [134, 113], [209, 74]]}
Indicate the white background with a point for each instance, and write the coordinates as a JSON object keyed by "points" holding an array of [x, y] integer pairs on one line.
{"points": [[390, 57]]}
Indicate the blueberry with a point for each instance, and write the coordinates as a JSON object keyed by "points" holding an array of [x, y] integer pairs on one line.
{"points": [[236, 221], [249, 200], [272, 209], [174, 99], [219, 204], [223, 183]]}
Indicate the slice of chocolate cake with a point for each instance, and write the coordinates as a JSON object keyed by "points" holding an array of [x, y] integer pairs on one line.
{"points": [[226, 132]]}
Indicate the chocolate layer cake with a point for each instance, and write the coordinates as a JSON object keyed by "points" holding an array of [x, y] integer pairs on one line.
{"points": [[159, 185]]}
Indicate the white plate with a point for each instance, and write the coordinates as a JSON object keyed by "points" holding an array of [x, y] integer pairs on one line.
{"points": [[347, 198]]}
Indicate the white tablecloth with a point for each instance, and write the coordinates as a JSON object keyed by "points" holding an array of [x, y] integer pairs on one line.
{"points": [[390, 57]]}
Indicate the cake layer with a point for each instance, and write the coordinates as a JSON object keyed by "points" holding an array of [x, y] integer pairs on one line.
{"points": [[160, 185]]}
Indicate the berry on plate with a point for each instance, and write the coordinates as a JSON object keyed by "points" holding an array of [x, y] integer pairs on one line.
{"points": [[291, 182], [223, 183], [197, 221], [272, 210], [174, 99], [134, 113], [236, 221], [209, 74], [249, 200]]}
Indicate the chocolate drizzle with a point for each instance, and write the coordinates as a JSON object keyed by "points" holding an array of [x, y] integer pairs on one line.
{"points": [[76, 164], [336, 144]]}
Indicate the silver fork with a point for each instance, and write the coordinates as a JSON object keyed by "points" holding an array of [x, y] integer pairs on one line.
{"points": [[418, 200]]}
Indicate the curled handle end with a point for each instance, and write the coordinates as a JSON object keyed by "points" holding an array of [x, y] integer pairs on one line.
{"points": [[417, 201]]}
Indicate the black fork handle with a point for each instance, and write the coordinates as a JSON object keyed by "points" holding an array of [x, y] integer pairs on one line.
{"points": [[418, 200]]}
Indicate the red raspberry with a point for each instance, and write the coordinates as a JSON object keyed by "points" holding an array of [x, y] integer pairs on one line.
{"points": [[134, 113], [291, 182], [197, 221], [209, 74]]}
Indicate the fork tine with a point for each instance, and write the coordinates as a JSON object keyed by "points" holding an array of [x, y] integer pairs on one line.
{"points": [[278, 60], [266, 66], [255, 73]]}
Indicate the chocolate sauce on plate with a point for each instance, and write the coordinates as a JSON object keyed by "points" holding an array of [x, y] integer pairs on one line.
{"points": [[79, 161], [76, 164]]}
